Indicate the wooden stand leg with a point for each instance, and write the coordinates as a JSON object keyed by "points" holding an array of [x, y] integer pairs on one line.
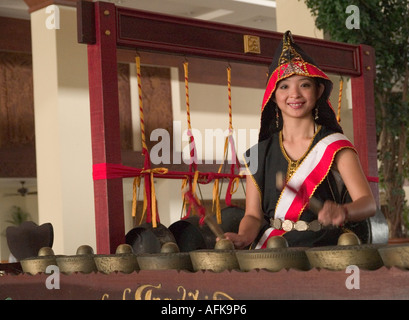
{"points": [[364, 121], [106, 146]]}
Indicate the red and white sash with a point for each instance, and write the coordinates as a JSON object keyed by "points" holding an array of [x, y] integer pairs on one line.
{"points": [[308, 176]]}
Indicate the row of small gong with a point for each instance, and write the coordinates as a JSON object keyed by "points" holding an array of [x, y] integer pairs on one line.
{"points": [[275, 257]]}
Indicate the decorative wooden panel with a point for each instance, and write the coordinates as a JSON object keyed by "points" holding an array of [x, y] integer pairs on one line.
{"points": [[156, 99], [17, 143], [15, 35], [125, 116], [17, 123], [16, 100], [255, 285]]}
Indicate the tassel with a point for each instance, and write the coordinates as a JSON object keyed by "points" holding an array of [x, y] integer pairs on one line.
{"points": [[341, 84]]}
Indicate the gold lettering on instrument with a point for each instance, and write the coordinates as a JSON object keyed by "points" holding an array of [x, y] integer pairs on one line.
{"points": [[194, 295], [153, 292], [127, 290], [181, 288], [148, 294], [218, 294]]}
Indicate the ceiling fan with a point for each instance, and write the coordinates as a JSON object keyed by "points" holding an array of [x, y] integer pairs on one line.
{"points": [[22, 191]]}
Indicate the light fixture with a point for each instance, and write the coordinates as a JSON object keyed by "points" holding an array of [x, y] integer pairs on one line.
{"points": [[214, 14], [265, 3]]}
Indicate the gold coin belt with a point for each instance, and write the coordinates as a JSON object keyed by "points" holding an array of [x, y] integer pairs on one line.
{"points": [[289, 225]]}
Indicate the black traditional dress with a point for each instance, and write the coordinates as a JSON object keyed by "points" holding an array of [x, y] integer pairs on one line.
{"points": [[310, 176], [266, 159]]}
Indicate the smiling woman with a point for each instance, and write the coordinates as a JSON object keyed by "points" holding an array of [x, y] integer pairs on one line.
{"points": [[297, 93], [300, 136]]}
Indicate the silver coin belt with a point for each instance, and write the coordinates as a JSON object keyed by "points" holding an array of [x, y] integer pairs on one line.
{"points": [[288, 225]]}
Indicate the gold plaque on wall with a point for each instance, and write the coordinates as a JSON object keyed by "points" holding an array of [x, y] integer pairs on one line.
{"points": [[251, 44]]}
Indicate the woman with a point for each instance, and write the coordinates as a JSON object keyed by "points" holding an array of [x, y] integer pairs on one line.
{"points": [[301, 139]]}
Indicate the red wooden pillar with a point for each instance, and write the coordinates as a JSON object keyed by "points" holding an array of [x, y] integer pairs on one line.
{"points": [[105, 132], [364, 121]]}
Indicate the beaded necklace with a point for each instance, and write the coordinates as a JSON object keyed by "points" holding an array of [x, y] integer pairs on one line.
{"points": [[294, 164]]}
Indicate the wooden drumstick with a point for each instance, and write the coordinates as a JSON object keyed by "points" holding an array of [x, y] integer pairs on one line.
{"points": [[222, 243], [216, 229]]}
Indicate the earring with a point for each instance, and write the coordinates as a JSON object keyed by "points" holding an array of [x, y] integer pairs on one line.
{"points": [[316, 113], [277, 116]]}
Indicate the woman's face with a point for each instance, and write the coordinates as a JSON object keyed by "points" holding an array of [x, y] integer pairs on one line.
{"points": [[296, 96]]}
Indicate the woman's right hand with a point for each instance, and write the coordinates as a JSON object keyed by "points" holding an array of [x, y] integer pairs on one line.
{"points": [[251, 222], [239, 241]]}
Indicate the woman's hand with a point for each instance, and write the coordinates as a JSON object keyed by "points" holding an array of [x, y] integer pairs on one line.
{"points": [[239, 241], [333, 214], [251, 222], [363, 204]]}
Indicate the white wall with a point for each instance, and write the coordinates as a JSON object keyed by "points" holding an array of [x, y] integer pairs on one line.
{"points": [[63, 136], [295, 16]]}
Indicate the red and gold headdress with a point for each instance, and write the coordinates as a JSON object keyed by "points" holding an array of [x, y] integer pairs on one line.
{"points": [[289, 60]]}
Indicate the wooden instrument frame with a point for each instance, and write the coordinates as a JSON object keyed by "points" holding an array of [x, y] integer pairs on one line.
{"points": [[105, 27]]}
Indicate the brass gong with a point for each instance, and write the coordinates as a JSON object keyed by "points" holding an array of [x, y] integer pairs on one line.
{"points": [[348, 252], [124, 260], [214, 260], [169, 258], [223, 257], [396, 255], [275, 257], [83, 261], [40, 263]]}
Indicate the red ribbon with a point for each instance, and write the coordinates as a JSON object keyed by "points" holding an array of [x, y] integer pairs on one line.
{"points": [[111, 171], [102, 171]]}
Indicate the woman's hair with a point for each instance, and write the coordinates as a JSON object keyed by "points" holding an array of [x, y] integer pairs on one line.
{"points": [[326, 115]]}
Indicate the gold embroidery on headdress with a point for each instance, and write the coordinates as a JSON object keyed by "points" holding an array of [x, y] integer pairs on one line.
{"points": [[288, 54], [290, 60]]}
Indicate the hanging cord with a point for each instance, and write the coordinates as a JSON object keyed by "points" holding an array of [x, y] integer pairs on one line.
{"points": [[135, 196], [142, 122], [149, 205], [195, 205], [186, 70], [188, 184], [191, 187], [234, 182], [229, 97], [192, 146], [229, 141], [137, 180], [341, 84]]}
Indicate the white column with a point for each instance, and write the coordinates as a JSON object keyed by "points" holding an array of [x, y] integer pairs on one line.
{"points": [[294, 15], [62, 128]]}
